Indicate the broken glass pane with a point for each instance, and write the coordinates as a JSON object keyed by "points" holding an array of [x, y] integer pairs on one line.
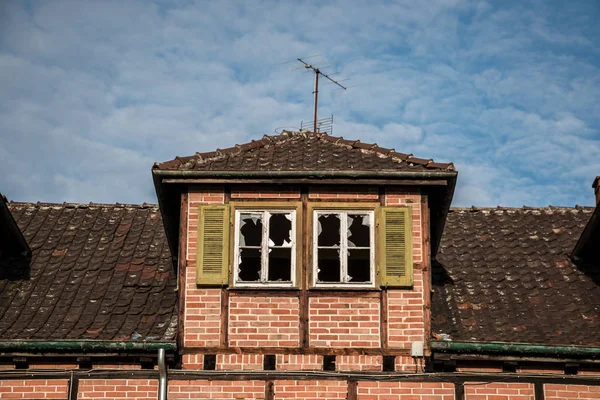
{"points": [[329, 230], [358, 230], [250, 229], [359, 265], [280, 230], [328, 265], [280, 264], [249, 268]]}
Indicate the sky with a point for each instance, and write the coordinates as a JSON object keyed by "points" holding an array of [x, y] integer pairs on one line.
{"points": [[92, 93]]}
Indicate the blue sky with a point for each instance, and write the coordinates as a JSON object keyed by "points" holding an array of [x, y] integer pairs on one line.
{"points": [[93, 92]]}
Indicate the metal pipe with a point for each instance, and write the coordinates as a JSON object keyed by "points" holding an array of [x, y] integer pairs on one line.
{"points": [[87, 346], [162, 375], [519, 349], [307, 174]]}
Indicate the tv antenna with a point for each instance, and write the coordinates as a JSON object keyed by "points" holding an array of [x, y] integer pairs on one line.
{"points": [[318, 72]]}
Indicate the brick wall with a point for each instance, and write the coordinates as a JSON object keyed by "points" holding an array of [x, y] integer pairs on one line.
{"points": [[358, 363], [294, 362], [310, 390], [405, 390], [245, 362], [344, 322], [118, 389], [559, 392], [202, 318], [280, 192], [33, 389], [350, 193], [273, 322], [263, 321], [498, 391], [405, 314], [202, 389]]}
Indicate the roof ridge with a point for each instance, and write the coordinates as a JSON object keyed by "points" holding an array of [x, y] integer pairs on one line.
{"points": [[523, 208], [82, 205]]}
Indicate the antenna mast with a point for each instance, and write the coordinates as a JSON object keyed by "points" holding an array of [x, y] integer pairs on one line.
{"points": [[318, 72]]}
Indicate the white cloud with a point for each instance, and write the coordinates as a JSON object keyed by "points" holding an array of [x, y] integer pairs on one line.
{"points": [[93, 93]]}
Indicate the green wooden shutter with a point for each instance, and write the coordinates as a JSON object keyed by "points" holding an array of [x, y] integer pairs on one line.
{"points": [[395, 239], [212, 259]]}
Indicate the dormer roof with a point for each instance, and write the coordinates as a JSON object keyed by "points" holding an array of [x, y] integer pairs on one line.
{"points": [[303, 151]]}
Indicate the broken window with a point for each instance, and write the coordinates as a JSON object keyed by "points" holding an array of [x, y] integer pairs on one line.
{"points": [[344, 250], [265, 247]]}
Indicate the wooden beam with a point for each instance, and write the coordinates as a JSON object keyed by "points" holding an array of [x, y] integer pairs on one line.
{"points": [[298, 181], [304, 300], [425, 231], [224, 327], [342, 351], [352, 390], [182, 266]]}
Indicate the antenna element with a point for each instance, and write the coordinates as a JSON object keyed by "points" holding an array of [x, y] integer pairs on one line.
{"points": [[318, 72]]}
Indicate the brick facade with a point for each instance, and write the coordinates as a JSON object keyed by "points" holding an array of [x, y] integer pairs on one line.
{"points": [[405, 390], [560, 392], [498, 391], [33, 389], [263, 321], [310, 390], [203, 389]]}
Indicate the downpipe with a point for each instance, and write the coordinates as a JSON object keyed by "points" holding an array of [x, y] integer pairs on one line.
{"points": [[162, 375]]}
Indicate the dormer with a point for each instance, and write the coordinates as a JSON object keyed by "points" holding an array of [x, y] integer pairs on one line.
{"points": [[336, 232]]}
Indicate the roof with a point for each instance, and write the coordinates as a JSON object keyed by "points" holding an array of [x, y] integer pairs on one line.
{"points": [[303, 151], [12, 242], [504, 275], [97, 272]]}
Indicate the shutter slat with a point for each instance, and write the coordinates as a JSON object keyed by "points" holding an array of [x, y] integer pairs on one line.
{"points": [[396, 246], [213, 238]]}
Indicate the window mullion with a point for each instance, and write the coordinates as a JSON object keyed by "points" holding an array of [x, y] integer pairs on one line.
{"points": [[265, 248], [344, 247]]}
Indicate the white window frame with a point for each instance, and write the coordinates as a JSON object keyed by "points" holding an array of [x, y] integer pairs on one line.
{"points": [[343, 213], [264, 258]]}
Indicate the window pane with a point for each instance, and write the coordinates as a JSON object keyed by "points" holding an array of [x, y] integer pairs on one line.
{"points": [[359, 265], [250, 229], [280, 264], [280, 230], [359, 230], [249, 267], [328, 265], [329, 230]]}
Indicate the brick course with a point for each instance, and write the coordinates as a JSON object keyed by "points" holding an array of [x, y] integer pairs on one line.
{"points": [[498, 391], [263, 321], [559, 392], [299, 362], [344, 322], [405, 390], [204, 389], [310, 390], [405, 314], [33, 389], [118, 389]]}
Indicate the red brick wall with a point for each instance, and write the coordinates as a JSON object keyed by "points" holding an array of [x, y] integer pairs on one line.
{"points": [[405, 314], [246, 362], [203, 389], [118, 389], [263, 321], [280, 192], [294, 362], [202, 318], [358, 363], [405, 390], [33, 389], [559, 392], [344, 322], [351, 193], [498, 391], [311, 390]]}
